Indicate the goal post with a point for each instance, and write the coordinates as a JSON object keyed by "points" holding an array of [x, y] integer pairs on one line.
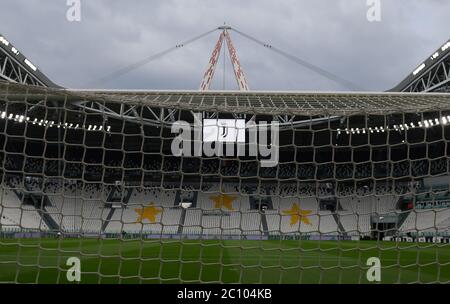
{"points": [[223, 187]]}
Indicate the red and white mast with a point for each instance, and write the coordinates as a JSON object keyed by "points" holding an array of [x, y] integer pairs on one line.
{"points": [[209, 74], [238, 73]]}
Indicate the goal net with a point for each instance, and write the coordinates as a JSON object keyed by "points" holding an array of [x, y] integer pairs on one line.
{"points": [[161, 187]]}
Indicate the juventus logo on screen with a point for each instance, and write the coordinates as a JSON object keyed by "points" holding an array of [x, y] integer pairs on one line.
{"points": [[201, 138], [224, 130]]}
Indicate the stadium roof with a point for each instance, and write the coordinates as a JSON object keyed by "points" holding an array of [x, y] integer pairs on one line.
{"points": [[440, 55], [261, 102], [15, 61]]}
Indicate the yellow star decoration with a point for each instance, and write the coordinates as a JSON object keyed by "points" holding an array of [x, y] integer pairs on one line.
{"points": [[147, 212], [298, 214], [223, 200]]}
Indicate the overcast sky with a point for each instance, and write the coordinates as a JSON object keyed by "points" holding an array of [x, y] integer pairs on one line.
{"points": [[333, 34]]}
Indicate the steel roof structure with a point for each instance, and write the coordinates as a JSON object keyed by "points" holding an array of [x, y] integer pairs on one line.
{"points": [[21, 80], [432, 75], [302, 103], [16, 67]]}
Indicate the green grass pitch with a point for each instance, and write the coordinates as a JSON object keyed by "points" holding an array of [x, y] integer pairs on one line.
{"points": [[220, 261]]}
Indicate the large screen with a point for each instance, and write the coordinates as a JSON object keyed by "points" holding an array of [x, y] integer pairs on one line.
{"points": [[224, 130]]}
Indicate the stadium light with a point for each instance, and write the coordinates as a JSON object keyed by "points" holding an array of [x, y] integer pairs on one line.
{"points": [[25, 119], [445, 46], [444, 120], [420, 68], [4, 41], [32, 66]]}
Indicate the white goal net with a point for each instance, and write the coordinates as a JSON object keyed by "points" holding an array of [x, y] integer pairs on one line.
{"points": [[223, 187]]}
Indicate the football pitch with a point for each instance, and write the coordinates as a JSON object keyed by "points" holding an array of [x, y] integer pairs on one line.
{"points": [[220, 261]]}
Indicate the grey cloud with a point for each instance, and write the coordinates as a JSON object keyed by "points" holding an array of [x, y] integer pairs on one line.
{"points": [[333, 34]]}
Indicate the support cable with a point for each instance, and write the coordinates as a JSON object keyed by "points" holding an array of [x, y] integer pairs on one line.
{"points": [[144, 61], [343, 82]]}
